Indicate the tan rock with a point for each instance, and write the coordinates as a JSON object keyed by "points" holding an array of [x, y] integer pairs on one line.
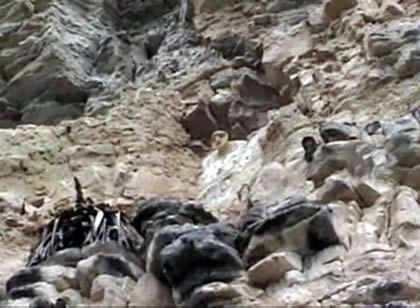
{"points": [[111, 291], [367, 193], [274, 267], [150, 292], [392, 9], [61, 277], [334, 8], [335, 189], [210, 6], [281, 48]]}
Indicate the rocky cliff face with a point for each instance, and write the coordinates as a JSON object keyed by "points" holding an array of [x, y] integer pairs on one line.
{"points": [[307, 194]]}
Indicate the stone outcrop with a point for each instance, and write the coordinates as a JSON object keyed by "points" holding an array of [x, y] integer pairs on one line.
{"points": [[304, 115]]}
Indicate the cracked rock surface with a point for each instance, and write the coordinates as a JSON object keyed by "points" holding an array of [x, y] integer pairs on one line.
{"points": [[312, 199]]}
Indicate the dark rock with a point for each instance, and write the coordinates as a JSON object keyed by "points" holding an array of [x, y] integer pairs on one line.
{"points": [[41, 303], [336, 132], [230, 46], [396, 304], [258, 94], [416, 113], [125, 13], [60, 303], [233, 46], [154, 214], [219, 107], [23, 278], [388, 289], [352, 155], [249, 118], [200, 255], [409, 63], [237, 131], [309, 145], [180, 38], [50, 112], [287, 222], [200, 123], [104, 264], [373, 127]]}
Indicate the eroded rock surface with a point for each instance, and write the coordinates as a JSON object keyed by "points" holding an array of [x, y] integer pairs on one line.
{"points": [[308, 197]]}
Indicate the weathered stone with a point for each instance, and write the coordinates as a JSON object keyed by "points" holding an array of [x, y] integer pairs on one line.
{"points": [[244, 119], [255, 93], [38, 289], [210, 6], [192, 256], [392, 8], [274, 267], [336, 132], [103, 264], [110, 291], [335, 189], [200, 123], [329, 158], [295, 225], [367, 193], [157, 213], [280, 49], [150, 292], [334, 8], [212, 293], [58, 276], [71, 298], [219, 106]]}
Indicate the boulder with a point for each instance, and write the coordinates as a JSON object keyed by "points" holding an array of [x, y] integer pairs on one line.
{"points": [[104, 264], [258, 94], [188, 256], [157, 213], [200, 122], [150, 292], [332, 131], [294, 225], [334, 8], [207, 260], [281, 48], [274, 267], [109, 291]]}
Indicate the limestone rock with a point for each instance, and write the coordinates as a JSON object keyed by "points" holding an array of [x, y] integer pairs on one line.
{"points": [[334, 8], [280, 49], [110, 291], [294, 225], [274, 267], [150, 292]]}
